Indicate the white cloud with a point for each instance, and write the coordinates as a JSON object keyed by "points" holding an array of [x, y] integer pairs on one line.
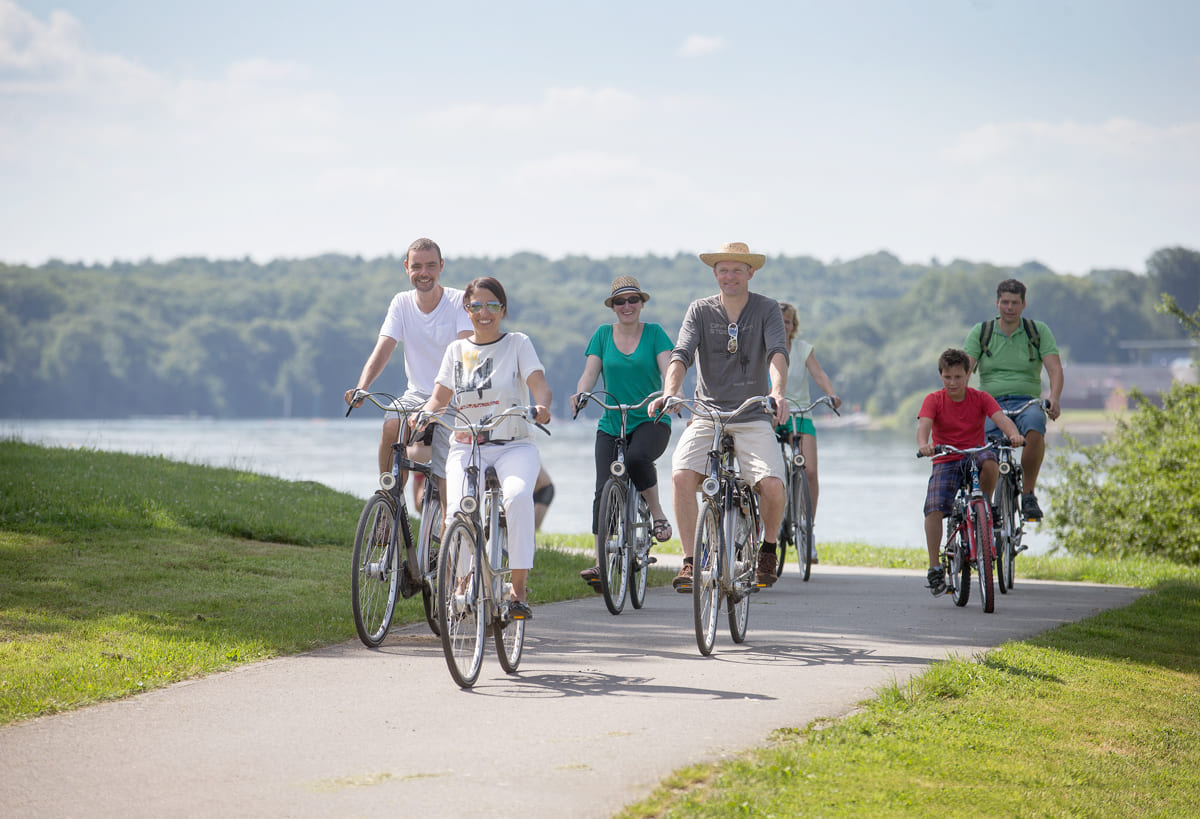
{"points": [[556, 107], [699, 45], [1114, 138]]}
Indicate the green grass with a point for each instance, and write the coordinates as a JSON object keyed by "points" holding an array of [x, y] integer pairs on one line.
{"points": [[120, 573], [1097, 718]]}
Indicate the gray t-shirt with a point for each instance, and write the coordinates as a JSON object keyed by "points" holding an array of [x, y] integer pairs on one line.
{"points": [[723, 379]]}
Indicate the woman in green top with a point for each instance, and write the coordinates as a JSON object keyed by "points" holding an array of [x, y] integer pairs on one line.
{"points": [[632, 356]]}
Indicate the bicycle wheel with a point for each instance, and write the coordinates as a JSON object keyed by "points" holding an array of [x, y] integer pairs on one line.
{"points": [[1010, 512], [509, 634], [613, 546], [787, 529], [639, 561], [740, 532], [1003, 536], [981, 523], [375, 577], [460, 604], [804, 525], [958, 568], [706, 595], [429, 539]]}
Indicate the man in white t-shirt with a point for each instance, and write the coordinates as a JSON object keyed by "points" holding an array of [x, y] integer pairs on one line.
{"points": [[425, 320]]}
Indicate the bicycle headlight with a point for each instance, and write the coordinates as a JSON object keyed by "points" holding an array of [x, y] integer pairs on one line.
{"points": [[469, 505], [1005, 468], [617, 469], [387, 480], [710, 486], [797, 460]]}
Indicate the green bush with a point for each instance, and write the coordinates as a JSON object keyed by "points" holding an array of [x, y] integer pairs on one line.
{"points": [[1137, 492]]}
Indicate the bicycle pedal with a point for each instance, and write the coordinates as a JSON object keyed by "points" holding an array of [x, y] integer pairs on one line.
{"points": [[649, 560]]}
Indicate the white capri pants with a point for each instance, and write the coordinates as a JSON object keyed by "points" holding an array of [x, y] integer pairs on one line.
{"points": [[517, 464]]}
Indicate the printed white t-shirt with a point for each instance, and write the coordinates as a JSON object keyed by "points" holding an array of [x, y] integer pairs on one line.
{"points": [[489, 378], [425, 336]]}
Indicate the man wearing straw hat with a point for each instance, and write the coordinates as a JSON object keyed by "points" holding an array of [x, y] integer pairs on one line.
{"points": [[739, 346]]}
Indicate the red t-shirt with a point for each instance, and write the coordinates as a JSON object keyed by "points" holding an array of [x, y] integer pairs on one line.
{"points": [[958, 423]]}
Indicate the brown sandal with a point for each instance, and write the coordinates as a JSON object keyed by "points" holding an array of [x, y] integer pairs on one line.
{"points": [[661, 526], [592, 577]]}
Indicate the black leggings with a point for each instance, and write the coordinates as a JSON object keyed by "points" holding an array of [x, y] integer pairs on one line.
{"points": [[646, 443]]}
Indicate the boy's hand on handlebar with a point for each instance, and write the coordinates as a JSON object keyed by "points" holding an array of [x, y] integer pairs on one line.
{"points": [[927, 450]]}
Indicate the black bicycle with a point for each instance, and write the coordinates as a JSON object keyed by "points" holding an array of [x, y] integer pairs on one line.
{"points": [[797, 527], [623, 533], [387, 563], [1007, 498]]}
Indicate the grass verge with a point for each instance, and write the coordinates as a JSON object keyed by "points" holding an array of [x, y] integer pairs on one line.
{"points": [[120, 573], [1097, 718]]}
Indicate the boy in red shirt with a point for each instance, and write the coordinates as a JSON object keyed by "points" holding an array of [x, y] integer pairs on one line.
{"points": [[955, 415]]}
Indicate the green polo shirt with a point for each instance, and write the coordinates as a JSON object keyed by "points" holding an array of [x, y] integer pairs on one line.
{"points": [[1008, 370]]}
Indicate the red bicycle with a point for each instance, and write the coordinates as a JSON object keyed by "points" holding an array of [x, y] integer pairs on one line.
{"points": [[969, 536]]}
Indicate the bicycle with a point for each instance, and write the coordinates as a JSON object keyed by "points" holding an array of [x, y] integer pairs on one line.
{"points": [[382, 568], [623, 537], [729, 532], [797, 528], [969, 540], [1007, 498], [472, 590]]}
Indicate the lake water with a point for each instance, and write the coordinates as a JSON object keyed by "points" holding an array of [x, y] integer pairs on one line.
{"points": [[872, 485]]}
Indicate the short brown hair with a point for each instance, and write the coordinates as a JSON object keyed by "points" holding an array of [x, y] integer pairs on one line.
{"points": [[954, 358], [423, 244], [1010, 286]]}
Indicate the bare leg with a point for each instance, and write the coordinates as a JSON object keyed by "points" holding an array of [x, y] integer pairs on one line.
{"points": [[933, 538], [391, 434], [656, 510], [1031, 460], [771, 503], [988, 473], [686, 483], [519, 577]]}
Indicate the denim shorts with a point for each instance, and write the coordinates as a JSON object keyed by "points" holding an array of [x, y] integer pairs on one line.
{"points": [[1033, 419]]}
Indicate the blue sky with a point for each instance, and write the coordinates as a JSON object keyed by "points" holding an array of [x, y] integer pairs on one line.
{"points": [[1062, 131]]}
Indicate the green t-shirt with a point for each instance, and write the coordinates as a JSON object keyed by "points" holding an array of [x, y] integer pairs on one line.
{"points": [[1008, 370], [629, 378]]}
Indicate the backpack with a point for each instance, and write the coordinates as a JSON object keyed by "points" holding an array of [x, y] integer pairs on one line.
{"points": [[1032, 338]]}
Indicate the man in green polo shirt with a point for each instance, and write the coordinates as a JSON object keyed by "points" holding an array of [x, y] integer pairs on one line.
{"points": [[1010, 370]]}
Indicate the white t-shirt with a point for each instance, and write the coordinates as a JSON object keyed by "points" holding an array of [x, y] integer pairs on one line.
{"points": [[490, 378], [797, 383], [425, 336]]}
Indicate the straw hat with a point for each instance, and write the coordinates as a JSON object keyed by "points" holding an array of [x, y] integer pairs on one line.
{"points": [[625, 285], [734, 252]]}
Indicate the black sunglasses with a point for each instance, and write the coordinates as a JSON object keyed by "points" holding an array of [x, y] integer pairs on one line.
{"points": [[621, 301]]}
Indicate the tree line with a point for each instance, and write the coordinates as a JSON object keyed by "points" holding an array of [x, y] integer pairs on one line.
{"points": [[235, 338]]}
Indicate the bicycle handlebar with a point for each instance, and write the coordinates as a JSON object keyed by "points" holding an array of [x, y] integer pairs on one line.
{"points": [[824, 399], [1041, 402], [947, 449], [697, 407], [584, 397], [526, 414]]}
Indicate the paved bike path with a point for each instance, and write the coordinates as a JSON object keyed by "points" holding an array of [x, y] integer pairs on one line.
{"points": [[601, 710]]}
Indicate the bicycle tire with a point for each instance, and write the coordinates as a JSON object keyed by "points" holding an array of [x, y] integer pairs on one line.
{"points": [[787, 529], [981, 523], [740, 531], [1003, 535], [429, 540], [804, 527], [374, 577], [509, 634], [639, 562], [958, 568], [1016, 531], [613, 546], [460, 609], [706, 598]]}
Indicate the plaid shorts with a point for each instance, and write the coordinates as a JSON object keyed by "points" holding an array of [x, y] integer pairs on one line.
{"points": [[946, 478]]}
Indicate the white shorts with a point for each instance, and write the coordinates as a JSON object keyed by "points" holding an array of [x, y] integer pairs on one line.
{"points": [[754, 443], [441, 435]]}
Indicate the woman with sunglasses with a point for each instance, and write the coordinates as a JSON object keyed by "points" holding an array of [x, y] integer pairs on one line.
{"points": [[632, 356], [482, 374]]}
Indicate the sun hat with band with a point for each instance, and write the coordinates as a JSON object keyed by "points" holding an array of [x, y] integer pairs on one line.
{"points": [[734, 252], [625, 286]]}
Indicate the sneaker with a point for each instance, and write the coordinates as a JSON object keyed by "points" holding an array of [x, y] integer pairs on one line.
{"points": [[996, 522], [815, 560], [765, 575], [935, 581], [683, 580], [1030, 508]]}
